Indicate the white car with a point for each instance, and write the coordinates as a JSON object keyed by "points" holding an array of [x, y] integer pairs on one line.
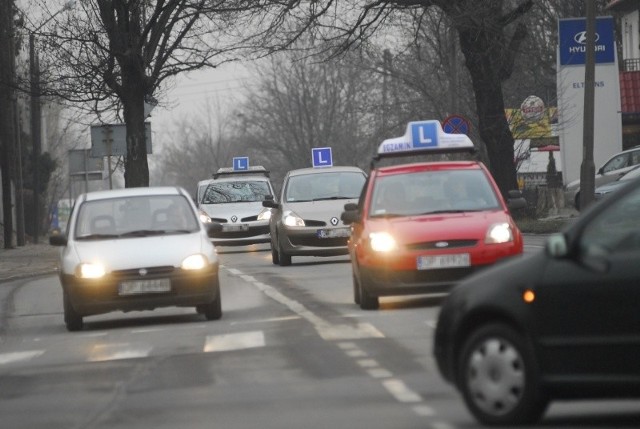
{"points": [[234, 198], [137, 249], [612, 170]]}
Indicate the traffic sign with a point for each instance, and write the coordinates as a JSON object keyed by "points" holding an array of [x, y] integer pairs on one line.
{"points": [[111, 140], [321, 157], [240, 163], [456, 124]]}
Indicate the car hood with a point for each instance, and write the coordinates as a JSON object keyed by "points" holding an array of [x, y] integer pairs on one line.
{"points": [[323, 210], [227, 210], [135, 252], [445, 227]]}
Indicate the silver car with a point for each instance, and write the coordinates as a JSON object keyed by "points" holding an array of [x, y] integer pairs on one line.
{"points": [[137, 249], [234, 199], [306, 220]]}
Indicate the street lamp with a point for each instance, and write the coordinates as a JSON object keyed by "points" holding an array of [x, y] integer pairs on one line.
{"points": [[36, 120]]}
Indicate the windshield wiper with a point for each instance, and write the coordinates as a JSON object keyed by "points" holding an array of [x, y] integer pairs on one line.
{"points": [[143, 233], [97, 236], [389, 215]]}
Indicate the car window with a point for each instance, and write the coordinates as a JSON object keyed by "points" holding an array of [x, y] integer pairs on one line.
{"points": [[242, 191], [118, 216], [617, 228], [616, 163], [432, 192], [323, 186]]}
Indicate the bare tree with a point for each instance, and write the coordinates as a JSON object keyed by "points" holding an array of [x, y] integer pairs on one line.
{"points": [[113, 55]]}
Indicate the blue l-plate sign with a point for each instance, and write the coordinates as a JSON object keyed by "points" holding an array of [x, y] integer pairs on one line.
{"points": [[240, 163], [424, 135], [321, 157]]}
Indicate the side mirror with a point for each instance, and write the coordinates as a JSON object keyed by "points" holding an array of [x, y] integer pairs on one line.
{"points": [[515, 200], [58, 240], [213, 228], [270, 202], [350, 214]]}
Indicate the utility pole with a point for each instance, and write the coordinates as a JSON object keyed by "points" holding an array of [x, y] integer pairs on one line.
{"points": [[587, 168], [36, 131]]}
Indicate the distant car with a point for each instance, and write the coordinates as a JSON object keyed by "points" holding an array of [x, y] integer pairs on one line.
{"points": [[306, 220], [611, 171], [562, 323], [137, 249], [603, 191], [421, 227], [234, 198]]}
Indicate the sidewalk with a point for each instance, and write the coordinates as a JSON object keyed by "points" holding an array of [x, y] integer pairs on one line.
{"points": [[29, 260]]}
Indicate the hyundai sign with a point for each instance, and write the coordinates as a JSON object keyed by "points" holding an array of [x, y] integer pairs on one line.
{"points": [[573, 41]]}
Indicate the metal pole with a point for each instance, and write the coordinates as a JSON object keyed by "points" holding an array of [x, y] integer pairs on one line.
{"points": [[588, 169], [35, 133]]}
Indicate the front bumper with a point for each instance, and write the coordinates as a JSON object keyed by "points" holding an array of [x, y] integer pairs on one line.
{"points": [[254, 233], [307, 241], [97, 296]]}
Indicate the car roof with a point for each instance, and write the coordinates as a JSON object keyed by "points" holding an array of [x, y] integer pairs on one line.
{"points": [[336, 169], [258, 170], [239, 178], [424, 166], [134, 192]]}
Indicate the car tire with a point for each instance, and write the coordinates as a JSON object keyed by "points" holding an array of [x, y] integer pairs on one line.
{"points": [[213, 310], [499, 377], [356, 289], [72, 319], [367, 301], [283, 259]]}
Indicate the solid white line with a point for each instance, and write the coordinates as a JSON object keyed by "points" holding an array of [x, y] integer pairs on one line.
{"points": [[238, 341], [118, 351], [19, 356]]}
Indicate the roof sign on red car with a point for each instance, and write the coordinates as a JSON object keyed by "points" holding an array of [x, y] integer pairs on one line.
{"points": [[425, 137]]}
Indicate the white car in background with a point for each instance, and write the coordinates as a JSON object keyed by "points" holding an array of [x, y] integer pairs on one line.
{"points": [[612, 170], [234, 199]]}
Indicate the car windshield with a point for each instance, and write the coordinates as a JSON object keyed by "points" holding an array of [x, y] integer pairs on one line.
{"points": [[242, 191], [135, 216], [332, 185], [430, 192]]}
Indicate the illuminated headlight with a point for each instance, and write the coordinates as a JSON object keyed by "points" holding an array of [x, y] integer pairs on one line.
{"points": [[203, 216], [289, 218], [195, 262], [499, 233], [265, 214], [382, 242], [90, 271]]}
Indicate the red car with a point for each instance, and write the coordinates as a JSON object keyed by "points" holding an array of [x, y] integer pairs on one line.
{"points": [[421, 227]]}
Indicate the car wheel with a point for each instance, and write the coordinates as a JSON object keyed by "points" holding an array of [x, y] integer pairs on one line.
{"points": [[499, 378], [356, 289], [213, 310], [367, 301], [72, 318], [283, 259]]}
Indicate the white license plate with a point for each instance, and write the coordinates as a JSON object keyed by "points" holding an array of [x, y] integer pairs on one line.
{"points": [[334, 233], [444, 261], [235, 228], [134, 287]]}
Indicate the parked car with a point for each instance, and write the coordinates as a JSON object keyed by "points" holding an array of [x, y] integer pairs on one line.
{"points": [[306, 220], [421, 227], [562, 323], [137, 249], [234, 198], [610, 171], [605, 190]]}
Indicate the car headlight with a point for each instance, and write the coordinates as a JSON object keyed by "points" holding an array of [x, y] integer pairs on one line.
{"points": [[499, 233], [289, 218], [382, 242], [93, 270], [203, 216], [265, 214], [194, 262]]}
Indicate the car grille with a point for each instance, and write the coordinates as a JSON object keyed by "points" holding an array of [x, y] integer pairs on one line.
{"points": [[260, 230], [319, 242], [150, 272], [432, 245], [311, 222], [218, 219], [249, 219]]}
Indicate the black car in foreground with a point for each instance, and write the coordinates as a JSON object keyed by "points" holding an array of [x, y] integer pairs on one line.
{"points": [[563, 323]]}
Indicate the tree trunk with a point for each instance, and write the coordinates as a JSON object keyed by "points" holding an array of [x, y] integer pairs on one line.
{"points": [[485, 72], [136, 166]]}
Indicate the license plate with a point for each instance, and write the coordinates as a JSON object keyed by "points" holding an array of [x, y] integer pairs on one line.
{"points": [[444, 261], [134, 287], [334, 233], [235, 228]]}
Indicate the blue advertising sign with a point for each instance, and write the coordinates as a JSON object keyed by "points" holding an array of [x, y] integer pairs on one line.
{"points": [[240, 163], [572, 36], [321, 157]]}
